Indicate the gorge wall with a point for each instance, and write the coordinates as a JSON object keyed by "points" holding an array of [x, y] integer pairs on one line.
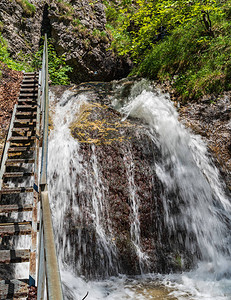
{"points": [[77, 29]]}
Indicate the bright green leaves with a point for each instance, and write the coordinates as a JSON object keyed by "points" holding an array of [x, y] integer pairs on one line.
{"points": [[19, 65], [58, 69], [153, 18]]}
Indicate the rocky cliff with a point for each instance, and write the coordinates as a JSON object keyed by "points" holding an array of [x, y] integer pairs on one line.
{"points": [[77, 29]]}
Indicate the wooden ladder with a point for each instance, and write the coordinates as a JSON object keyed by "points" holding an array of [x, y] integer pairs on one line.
{"points": [[19, 175]]}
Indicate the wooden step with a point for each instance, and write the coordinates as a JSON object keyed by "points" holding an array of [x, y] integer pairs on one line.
{"points": [[28, 95], [32, 121], [14, 289], [26, 106], [30, 76], [30, 73], [25, 114], [25, 89], [20, 228], [14, 256], [23, 129], [12, 161], [22, 138], [17, 174], [17, 190], [28, 100], [21, 149], [15, 208]]}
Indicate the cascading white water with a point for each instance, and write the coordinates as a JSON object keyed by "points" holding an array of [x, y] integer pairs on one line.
{"points": [[75, 185], [197, 210], [186, 172], [135, 203]]}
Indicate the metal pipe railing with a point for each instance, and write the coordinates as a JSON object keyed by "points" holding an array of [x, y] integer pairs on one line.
{"points": [[49, 283]]}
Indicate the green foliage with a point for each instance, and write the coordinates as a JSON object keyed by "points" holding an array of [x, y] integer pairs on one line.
{"points": [[28, 8], [186, 42], [18, 65], [196, 63], [151, 17], [1, 26], [58, 69]]}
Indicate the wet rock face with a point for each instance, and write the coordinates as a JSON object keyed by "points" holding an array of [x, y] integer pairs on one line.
{"points": [[128, 188], [77, 29], [211, 119]]}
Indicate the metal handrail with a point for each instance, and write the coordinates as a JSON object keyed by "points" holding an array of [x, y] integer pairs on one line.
{"points": [[49, 283]]}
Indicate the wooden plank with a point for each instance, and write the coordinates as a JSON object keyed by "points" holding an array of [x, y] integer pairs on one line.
{"points": [[9, 229], [32, 121], [15, 288], [11, 162], [22, 138], [18, 174], [15, 208], [14, 256], [17, 190]]}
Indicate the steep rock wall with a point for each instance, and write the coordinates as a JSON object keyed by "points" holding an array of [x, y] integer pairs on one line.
{"points": [[77, 29]]}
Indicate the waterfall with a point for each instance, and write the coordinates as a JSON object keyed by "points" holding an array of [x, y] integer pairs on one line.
{"points": [[196, 207]]}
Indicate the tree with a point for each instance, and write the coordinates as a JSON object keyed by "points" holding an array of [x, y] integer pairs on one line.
{"points": [[151, 20]]}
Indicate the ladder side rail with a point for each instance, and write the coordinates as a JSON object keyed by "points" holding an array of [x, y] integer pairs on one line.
{"points": [[47, 254], [6, 147], [41, 261], [53, 281], [45, 113], [32, 271]]}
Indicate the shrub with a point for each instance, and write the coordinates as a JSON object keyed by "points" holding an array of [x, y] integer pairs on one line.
{"points": [[18, 65], [58, 69]]}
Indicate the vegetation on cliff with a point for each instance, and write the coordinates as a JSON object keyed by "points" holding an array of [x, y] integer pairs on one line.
{"points": [[18, 65], [186, 42], [58, 69]]}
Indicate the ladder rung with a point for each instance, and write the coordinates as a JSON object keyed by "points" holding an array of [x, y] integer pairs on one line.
{"points": [[10, 161], [30, 73], [25, 120], [26, 114], [26, 89], [17, 174], [21, 140], [15, 208], [14, 256], [15, 288], [23, 128], [27, 100], [17, 190], [26, 106], [21, 149], [20, 228], [33, 95]]}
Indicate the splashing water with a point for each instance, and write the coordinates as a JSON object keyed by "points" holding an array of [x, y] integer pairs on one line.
{"points": [[196, 207], [135, 203]]}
